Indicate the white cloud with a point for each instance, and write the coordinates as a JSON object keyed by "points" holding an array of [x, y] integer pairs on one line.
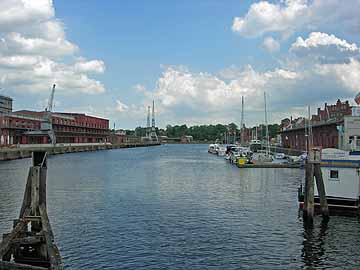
{"points": [[96, 66], [121, 107], [271, 45], [19, 13], [324, 48], [348, 74], [286, 17], [17, 43], [186, 96], [140, 88], [33, 45], [265, 17], [18, 61]]}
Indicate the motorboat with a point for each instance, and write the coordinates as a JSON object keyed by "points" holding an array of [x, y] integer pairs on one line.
{"points": [[340, 170], [212, 148], [261, 157], [279, 156], [255, 145], [221, 151]]}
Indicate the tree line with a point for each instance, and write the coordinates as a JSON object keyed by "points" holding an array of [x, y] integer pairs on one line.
{"points": [[205, 132]]}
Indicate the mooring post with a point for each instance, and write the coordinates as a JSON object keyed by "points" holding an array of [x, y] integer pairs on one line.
{"points": [[309, 191], [35, 248], [320, 185]]}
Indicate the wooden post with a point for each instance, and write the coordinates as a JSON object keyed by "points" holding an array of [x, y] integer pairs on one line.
{"points": [[33, 211], [313, 169], [309, 192], [321, 190], [35, 185]]}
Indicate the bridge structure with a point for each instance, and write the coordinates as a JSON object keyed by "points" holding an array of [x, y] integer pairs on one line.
{"points": [[30, 244]]}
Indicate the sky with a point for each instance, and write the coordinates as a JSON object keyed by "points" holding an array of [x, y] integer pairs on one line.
{"points": [[196, 59]]}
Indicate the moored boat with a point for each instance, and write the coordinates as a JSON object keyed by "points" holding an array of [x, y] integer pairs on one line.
{"points": [[255, 145], [340, 170], [221, 151], [213, 148]]}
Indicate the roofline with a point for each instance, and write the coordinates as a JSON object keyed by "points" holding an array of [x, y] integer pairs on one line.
{"points": [[6, 97], [59, 114], [315, 125]]}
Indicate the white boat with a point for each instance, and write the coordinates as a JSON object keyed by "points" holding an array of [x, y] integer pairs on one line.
{"points": [[340, 170], [279, 156], [212, 148], [255, 145], [261, 157], [221, 151]]}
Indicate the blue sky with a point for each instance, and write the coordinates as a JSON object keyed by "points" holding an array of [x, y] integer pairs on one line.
{"points": [[195, 58]]}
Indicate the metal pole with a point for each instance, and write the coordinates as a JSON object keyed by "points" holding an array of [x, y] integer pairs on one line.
{"points": [[266, 127]]}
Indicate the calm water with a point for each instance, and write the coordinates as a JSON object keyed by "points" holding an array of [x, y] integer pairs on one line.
{"points": [[177, 207]]}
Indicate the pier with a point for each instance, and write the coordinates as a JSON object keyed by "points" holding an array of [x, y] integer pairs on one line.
{"points": [[26, 152], [269, 165]]}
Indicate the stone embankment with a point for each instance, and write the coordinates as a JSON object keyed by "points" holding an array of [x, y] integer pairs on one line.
{"points": [[25, 151]]}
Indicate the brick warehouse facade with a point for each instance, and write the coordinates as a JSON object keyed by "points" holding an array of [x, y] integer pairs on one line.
{"points": [[68, 127], [325, 125], [325, 135]]}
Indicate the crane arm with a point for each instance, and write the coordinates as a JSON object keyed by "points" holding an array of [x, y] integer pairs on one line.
{"points": [[51, 99]]}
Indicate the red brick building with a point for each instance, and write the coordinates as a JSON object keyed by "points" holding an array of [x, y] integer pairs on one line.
{"points": [[68, 127], [334, 111], [325, 135], [324, 127]]}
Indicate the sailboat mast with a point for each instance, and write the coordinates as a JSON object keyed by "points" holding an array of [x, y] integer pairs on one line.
{"points": [[242, 121], [266, 127]]}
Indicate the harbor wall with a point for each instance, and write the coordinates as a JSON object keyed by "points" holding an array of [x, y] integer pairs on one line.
{"points": [[25, 152]]}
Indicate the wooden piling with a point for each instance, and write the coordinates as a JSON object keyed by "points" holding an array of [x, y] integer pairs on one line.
{"points": [[313, 169], [321, 190], [309, 192], [40, 239]]}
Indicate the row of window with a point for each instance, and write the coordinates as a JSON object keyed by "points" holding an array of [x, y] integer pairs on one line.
{"points": [[79, 129], [21, 124], [84, 124]]}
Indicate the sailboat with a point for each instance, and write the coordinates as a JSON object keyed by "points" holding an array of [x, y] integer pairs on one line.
{"points": [[264, 157]]}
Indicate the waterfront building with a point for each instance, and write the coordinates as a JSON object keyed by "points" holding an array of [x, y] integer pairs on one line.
{"points": [[186, 139], [68, 128], [325, 135], [349, 133], [5, 104], [333, 111], [120, 136], [332, 127]]}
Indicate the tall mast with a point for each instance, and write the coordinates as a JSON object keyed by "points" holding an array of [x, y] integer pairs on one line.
{"points": [[242, 121], [153, 116], [266, 127], [148, 123]]}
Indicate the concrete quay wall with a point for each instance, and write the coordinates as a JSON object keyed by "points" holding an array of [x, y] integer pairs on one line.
{"points": [[17, 153]]}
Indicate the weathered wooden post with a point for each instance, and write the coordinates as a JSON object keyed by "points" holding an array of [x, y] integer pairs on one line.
{"points": [[320, 185], [34, 248], [313, 169], [309, 191]]}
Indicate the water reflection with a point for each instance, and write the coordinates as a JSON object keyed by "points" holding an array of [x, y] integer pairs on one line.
{"points": [[314, 243]]}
